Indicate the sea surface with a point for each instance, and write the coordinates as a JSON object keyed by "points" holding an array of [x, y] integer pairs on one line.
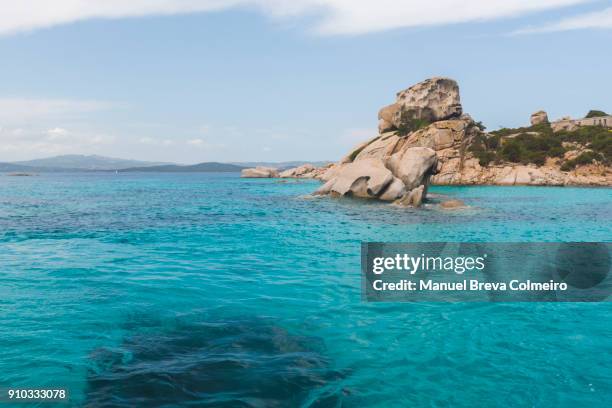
{"points": [[150, 290]]}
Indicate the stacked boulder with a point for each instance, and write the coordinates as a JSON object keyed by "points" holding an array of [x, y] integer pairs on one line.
{"points": [[538, 118], [428, 101], [418, 133]]}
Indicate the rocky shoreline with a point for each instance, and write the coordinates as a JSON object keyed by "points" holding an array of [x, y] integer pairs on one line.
{"points": [[424, 137]]}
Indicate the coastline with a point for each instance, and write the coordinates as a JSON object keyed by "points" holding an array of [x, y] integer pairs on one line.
{"points": [[425, 138]]}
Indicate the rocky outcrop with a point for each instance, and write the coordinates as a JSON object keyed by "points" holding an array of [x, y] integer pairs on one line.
{"points": [[429, 101], [413, 165], [307, 171], [538, 118], [386, 168], [367, 178], [387, 178], [518, 174], [259, 172], [303, 171], [386, 117], [397, 164], [414, 198], [424, 137]]}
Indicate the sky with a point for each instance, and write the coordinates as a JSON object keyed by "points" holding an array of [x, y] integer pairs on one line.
{"points": [[189, 81]]}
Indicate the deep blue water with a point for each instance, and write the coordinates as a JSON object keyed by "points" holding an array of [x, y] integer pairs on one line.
{"points": [[165, 289]]}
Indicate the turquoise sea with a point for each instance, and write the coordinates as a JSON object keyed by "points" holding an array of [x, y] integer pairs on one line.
{"points": [[146, 290]]}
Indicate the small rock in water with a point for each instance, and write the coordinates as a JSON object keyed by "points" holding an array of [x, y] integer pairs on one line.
{"points": [[414, 198], [259, 172], [450, 204]]}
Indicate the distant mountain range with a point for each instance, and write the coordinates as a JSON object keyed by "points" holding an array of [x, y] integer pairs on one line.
{"points": [[87, 163], [194, 168], [82, 162]]}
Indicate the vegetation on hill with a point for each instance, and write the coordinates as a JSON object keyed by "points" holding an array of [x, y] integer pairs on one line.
{"points": [[535, 144], [587, 157]]}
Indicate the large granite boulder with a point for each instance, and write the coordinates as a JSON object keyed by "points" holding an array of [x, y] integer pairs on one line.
{"points": [[354, 152], [380, 148], [444, 134], [367, 178], [386, 117], [259, 172], [413, 166], [395, 191], [431, 100], [426, 102], [402, 176], [538, 118]]}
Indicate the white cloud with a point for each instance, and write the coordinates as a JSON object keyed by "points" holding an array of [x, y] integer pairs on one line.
{"points": [[595, 20], [19, 143], [205, 144], [196, 142], [146, 140], [57, 133], [23, 109], [334, 16], [357, 17], [155, 142]]}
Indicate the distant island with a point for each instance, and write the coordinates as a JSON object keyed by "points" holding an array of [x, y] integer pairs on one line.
{"points": [[210, 167], [84, 162], [75, 163]]}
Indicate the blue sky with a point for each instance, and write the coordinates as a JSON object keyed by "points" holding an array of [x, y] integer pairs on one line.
{"points": [[273, 80]]}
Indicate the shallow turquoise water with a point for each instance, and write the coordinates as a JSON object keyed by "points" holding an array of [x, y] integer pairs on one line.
{"points": [[145, 290]]}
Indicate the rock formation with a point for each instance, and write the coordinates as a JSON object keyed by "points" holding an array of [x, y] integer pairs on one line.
{"points": [[424, 137], [367, 178], [424, 124], [307, 171], [428, 101], [538, 117], [259, 172]]}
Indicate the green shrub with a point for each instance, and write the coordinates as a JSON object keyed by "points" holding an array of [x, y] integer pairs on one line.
{"points": [[493, 142], [485, 158], [536, 157], [595, 138], [587, 158], [556, 151], [542, 128], [481, 126], [528, 145], [410, 125], [511, 151], [535, 144], [582, 159]]}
